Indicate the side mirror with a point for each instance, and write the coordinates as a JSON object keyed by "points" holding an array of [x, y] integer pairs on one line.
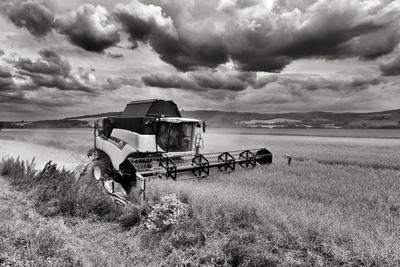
{"points": [[98, 127], [157, 128], [204, 126]]}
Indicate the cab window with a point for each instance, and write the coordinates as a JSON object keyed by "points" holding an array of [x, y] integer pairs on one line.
{"points": [[176, 137]]}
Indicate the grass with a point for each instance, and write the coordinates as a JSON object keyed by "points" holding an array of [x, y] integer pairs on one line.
{"points": [[365, 152], [57, 191], [338, 204], [27, 244], [28, 239], [308, 214]]}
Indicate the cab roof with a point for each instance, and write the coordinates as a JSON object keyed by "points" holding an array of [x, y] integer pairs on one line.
{"points": [[151, 108]]}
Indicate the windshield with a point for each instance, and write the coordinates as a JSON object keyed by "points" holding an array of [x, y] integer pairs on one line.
{"points": [[176, 137]]}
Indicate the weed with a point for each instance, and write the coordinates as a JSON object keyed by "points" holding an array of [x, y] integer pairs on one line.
{"points": [[60, 192]]}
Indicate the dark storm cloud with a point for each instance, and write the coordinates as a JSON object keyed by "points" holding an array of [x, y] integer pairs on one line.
{"points": [[78, 82], [5, 73], [229, 80], [48, 83], [163, 80], [51, 71], [36, 18], [391, 68], [89, 27], [147, 23], [49, 63], [202, 80], [1, 53], [260, 38], [188, 54], [362, 83], [6, 81], [349, 84], [367, 46], [256, 35], [139, 24], [324, 29], [207, 82], [261, 52]]}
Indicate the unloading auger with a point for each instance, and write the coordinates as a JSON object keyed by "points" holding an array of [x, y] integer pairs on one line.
{"points": [[151, 139]]}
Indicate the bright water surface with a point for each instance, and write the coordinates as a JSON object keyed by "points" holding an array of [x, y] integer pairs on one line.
{"points": [[215, 139]]}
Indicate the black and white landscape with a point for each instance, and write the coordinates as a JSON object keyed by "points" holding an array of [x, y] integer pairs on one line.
{"points": [[316, 82]]}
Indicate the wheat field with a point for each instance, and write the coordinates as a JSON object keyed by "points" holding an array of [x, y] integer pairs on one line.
{"points": [[338, 203]]}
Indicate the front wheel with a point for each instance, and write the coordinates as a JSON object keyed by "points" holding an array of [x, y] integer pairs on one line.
{"points": [[98, 172], [101, 169]]}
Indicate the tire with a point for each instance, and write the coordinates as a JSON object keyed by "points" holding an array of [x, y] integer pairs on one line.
{"points": [[101, 168]]}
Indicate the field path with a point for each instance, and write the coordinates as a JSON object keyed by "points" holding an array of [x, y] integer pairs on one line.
{"points": [[6, 198], [22, 229]]}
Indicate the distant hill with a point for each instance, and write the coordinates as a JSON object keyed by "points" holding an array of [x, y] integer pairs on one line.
{"points": [[384, 119], [64, 123], [101, 115], [217, 118]]}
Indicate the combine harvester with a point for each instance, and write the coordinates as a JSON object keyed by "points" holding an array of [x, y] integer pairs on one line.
{"points": [[151, 139]]}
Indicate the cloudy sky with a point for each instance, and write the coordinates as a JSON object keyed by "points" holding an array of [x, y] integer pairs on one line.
{"points": [[62, 58]]}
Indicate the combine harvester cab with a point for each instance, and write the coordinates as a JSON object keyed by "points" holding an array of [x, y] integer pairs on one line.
{"points": [[151, 139]]}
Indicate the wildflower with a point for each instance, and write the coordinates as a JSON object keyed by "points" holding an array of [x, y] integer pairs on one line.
{"points": [[170, 211]]}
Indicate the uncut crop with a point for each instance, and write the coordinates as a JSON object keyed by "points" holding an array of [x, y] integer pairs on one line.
{"points": [[307, 214], [338, 203]]}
